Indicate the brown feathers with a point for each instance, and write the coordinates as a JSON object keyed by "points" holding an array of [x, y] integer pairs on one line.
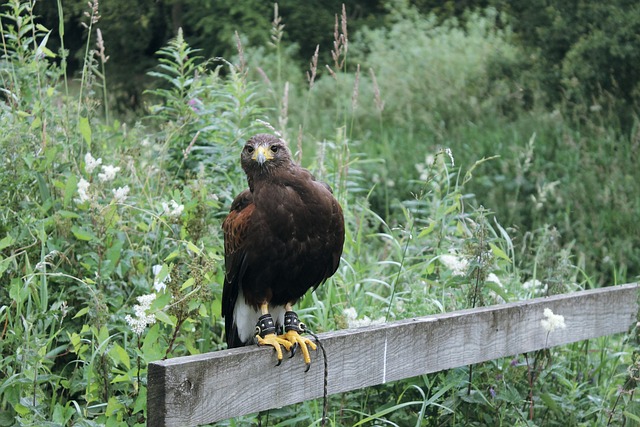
{"points": [[283, 235]]}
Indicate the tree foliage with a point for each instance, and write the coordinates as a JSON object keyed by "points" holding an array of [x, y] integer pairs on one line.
{"points": [[587, 53], [583, 53]]}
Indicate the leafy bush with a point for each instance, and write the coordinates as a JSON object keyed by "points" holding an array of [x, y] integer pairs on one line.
{"points": [[585, 54], [400, 93], [434, 76], [90, 209]]}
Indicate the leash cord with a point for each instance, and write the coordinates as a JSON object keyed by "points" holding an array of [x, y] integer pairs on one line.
{"points": [[325, 391]]}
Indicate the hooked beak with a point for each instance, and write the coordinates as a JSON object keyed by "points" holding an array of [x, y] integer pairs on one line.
{"points": [[261, 155]]}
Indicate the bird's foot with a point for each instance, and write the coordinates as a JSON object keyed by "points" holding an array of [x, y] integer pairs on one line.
{"points": [[277, 343], [266, 335], [293, 328]]}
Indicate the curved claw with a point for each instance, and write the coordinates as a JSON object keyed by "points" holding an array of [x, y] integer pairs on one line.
{"points": [[295, 340], [277, 343], [293, 349]]}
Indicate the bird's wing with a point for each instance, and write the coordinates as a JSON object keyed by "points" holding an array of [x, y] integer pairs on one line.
{"points": [[234, 228]]}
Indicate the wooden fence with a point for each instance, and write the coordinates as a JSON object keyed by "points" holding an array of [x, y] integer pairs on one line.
{"points": [[194, 390]]}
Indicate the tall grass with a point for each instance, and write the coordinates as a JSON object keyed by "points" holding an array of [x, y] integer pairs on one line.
{"points": [[110, 252], [423, 86]]}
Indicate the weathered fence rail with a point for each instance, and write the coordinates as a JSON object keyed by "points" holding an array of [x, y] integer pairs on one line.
{"points": [[193, 390]]}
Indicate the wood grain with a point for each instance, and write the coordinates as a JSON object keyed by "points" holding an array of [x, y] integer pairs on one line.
{"points": [[193, 390]]}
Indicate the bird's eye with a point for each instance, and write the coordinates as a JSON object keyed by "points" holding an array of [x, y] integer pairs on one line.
{"points": [[274, 148], [249, 148]]}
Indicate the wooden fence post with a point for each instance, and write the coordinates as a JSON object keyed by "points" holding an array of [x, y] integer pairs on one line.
{"points": [[193, 390]]}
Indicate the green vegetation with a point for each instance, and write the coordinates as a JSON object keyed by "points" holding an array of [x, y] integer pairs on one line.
{"points": [[464, 183]]}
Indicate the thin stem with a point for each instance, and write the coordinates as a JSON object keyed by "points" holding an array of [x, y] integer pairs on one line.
{"points": [[85, 67], [104, 93], [174, 336], [395, 281], [139, 364], [63, 54]]}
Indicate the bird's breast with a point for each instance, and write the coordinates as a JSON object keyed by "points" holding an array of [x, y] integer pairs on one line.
{"points": [[292, 219]]}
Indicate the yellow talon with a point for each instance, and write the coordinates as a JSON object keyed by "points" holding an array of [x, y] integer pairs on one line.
{"points": [[276, 342], [293, 338]]}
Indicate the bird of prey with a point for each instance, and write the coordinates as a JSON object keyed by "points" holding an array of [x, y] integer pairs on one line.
{"points": [[282, 236]]}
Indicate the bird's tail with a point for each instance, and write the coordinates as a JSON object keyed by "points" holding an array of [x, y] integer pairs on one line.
{"points": [[231, 333]]}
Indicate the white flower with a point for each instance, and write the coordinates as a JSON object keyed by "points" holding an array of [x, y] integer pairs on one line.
{"points": [[156, 269], [457, 265], [90, 163], [552, 321], [536, 286], [495, 279], [141, 319], [120, 194], [172, 209], [159, 285], [83, 188], [350, 313], [351, 316], [108, 173], [532, 284], [448, 152], [42, 265], [365, 321]]}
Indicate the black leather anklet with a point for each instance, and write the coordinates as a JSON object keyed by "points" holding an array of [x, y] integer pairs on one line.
{"points": [[265, 325], [292, 323]]}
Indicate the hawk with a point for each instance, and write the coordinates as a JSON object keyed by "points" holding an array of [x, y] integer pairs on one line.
{"points": [[283, 236]]}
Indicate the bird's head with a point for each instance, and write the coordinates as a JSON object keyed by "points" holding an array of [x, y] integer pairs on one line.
{"points": [[263, 153]]}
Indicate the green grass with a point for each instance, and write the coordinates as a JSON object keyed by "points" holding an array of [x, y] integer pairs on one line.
{"points": [[455, 169]]}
